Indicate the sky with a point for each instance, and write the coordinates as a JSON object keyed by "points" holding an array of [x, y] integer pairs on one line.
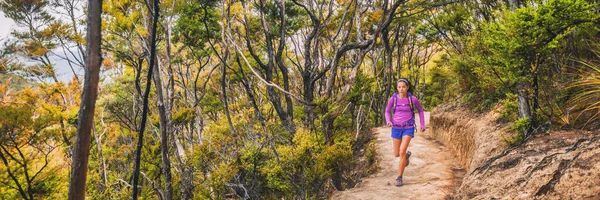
{"points": [[62, 69], [6, 25]]}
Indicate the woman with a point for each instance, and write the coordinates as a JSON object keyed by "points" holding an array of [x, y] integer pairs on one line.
{"points": [[401, 105]]}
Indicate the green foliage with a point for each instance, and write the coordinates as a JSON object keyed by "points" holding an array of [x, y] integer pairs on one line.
{"points": [[513, 139], [118, 101], [16, 82], [295, 17], [519, 48], [183, 116], [509, 111], [26, 11], [16, 118], [517, 131], [344, 122], [28, 145], [520, 125], [299, 112], [371, 153], [441, 85], [307, 165], [212, 102], [197, 24], [361, 89]]}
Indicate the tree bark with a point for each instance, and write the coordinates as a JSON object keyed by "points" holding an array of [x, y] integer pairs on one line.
{"points": [[514, 4], [12, 175], [101, 163], [81, 148], [164, 123], [523, 102], [283, 67], [224, 78], [136, 171], [225, 102]]}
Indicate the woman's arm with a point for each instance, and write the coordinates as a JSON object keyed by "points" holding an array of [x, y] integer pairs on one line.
{"points": [[388, 108], [421, 113]]}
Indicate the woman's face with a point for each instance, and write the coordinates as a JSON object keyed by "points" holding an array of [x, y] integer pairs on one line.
{"points": [[402, 87]]}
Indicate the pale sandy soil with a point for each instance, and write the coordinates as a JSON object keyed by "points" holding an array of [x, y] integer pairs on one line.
{"points": [[431, 174]]}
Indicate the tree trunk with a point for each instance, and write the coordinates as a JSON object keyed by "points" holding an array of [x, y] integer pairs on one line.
{"points": [[164, 118], [274, 98], [388, 76], [536, 93], [164, 123], [523, 102], [136, 171], [225, 103], [101, 163], [281, 64], [514, 4], [284, 115], [81, 148], [309, 90]]}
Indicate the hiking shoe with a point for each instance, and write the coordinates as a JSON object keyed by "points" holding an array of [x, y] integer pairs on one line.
{"points": [[407, 157], [399, 181]]}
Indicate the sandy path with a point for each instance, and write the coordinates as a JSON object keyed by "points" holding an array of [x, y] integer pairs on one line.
{"points": [[430, 175]]}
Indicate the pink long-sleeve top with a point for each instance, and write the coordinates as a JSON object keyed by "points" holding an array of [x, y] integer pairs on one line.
{"points": [[402, 117]]}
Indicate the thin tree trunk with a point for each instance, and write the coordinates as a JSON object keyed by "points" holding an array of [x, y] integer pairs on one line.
{"points": [[388, 77], [136, 171], [283, 68], [186, 175], [225, 102], [12, 176], [101, 163], [164, 123], [224, 77], [164, 118], [358, 121], [284, 115], [81, 148], [186, 184]]}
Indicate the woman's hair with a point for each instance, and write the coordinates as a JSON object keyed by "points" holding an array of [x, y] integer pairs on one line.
{"points": [[410, 87]]}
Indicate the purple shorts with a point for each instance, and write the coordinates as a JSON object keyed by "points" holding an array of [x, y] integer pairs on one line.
{"points": [[398, 133]]}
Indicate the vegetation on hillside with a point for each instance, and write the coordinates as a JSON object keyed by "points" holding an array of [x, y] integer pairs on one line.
{"points": [[272, 99]]}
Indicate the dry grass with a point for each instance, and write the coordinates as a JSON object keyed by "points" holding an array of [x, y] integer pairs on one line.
{"points": [[586, 103]]}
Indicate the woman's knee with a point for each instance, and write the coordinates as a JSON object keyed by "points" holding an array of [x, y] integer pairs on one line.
{"points": [[402, 153]]}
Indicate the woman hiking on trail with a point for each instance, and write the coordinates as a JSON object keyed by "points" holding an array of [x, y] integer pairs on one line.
{"points": [[402, 120]]}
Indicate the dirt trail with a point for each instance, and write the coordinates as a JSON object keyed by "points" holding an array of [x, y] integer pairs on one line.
{"points": [[431, 174]]}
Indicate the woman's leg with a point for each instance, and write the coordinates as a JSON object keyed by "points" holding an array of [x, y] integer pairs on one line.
{"points": [[397, 147], [403, 146]]}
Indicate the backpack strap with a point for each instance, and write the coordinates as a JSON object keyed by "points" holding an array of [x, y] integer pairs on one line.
{"points": [[395, 100], [412, 109], [395, 103]]}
